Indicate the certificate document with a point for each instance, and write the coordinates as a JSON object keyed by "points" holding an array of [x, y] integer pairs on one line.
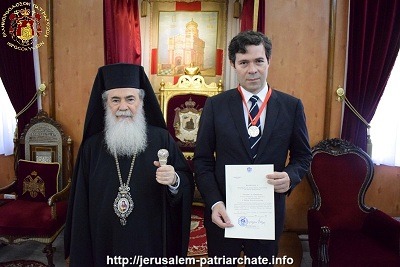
{"points": [[250, 202]]}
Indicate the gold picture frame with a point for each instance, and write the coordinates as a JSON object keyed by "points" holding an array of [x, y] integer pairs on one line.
{"points": [[187, 33], [187, 38]]}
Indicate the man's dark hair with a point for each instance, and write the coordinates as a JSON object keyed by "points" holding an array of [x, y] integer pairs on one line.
{"points": [[239, 42]]}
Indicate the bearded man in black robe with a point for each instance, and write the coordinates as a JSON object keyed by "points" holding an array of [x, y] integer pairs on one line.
{"points": [[125, 201]]}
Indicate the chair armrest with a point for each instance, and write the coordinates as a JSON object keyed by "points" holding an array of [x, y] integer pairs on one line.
{"points": [[10, 188], [318, 236], [383, 228], [60, 196]]}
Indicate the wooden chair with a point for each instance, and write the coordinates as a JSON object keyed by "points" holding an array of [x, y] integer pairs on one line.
{"points": [[343, 230], [41, 185], [182, 103]]}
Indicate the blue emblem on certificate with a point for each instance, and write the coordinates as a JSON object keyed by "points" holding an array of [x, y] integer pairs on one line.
{"points": [[242, 221]]}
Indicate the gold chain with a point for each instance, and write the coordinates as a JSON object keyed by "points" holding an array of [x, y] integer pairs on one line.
{"points": [[119, 171]]}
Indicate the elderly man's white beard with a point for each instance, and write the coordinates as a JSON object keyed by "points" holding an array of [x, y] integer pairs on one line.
{"points": [[128, 136]]}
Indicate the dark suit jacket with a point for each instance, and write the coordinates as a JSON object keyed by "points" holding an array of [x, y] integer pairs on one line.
{"points": [[222, 131]]}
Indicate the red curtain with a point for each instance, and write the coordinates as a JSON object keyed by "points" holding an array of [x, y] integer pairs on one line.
{"points": [[374, 41], [121, 32], [246, 17], [17, 72]]}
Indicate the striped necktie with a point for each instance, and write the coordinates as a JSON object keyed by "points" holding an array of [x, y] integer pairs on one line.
{"points": [[253, 113]]}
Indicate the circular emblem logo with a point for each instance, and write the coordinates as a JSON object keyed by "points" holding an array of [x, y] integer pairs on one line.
{"points": [[243, 221], [24, 24]]}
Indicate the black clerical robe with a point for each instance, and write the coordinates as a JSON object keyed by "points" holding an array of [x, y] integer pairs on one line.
{"points": [[97, 236]]}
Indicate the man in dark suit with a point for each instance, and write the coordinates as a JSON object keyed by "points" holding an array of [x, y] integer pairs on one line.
{"points": [[230, 133]]}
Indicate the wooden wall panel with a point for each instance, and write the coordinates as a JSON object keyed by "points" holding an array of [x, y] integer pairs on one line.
{"points": [[299, 33], [384, 191], [339, 66], [6, 170], [78, 53]]}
